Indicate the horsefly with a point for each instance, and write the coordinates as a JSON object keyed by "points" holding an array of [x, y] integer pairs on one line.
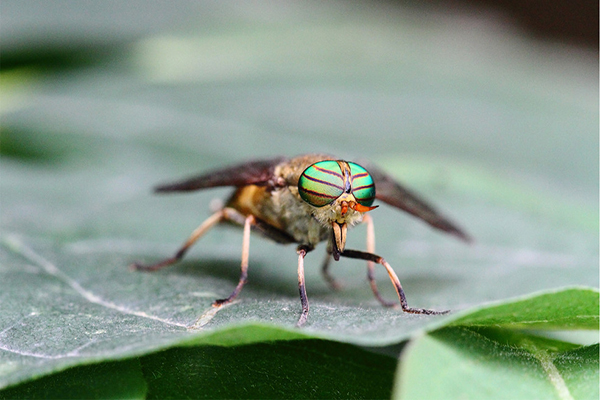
{"points": [[307, 200]]}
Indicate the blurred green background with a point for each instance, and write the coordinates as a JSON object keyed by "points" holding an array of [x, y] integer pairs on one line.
{"points": [[485, 110]]}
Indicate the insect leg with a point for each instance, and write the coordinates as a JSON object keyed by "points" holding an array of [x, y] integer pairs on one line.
{"points": [[331, 281], [302, 250], [393, 277], [370, 264], [196, 234], [233, 215]]}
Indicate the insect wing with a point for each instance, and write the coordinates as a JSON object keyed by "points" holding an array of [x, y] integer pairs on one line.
{"points": [[391, 192], [258, 172]]}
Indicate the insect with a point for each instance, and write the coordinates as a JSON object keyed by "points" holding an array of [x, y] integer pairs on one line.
{"points": [[307, 200]]}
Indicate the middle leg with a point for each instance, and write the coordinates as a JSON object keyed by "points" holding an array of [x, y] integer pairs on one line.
{"points": [[302, 251], [248, 222]]}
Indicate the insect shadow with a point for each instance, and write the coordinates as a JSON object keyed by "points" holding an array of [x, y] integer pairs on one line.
{"points": [[263, 279]]}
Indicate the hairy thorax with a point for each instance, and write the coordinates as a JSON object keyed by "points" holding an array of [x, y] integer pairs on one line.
{"points": [[283, 209]]}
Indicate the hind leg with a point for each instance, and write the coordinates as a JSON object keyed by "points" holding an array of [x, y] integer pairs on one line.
{"points": [[370, 264], [211, 221]]}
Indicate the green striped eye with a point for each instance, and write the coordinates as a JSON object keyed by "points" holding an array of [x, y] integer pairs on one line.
{"points": [[363, 187], [321, 183]]}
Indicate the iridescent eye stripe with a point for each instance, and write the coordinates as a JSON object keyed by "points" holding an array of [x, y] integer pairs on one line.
{"points": [[327, 171], [310, 178], [369, 186], [361, 175], [319, 194]]}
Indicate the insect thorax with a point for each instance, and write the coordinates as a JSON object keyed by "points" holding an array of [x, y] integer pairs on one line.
{"points": [[283, 209], [297, 218]]}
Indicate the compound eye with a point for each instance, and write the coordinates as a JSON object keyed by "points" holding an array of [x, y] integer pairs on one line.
{"points": [[363, 187], [321, 183]]}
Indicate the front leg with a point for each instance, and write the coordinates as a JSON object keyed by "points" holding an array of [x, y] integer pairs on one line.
{"points": [[302, 251], [361, 255]]}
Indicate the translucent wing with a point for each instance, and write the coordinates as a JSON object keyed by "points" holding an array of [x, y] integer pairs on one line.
{"points": [[392, 193], [258, 172]]}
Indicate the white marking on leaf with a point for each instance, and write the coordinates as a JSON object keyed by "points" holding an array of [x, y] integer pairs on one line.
{"points": [[19, 247]]}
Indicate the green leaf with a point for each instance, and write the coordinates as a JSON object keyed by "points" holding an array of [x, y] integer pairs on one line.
{"points": [[111, 380], [570, 308], [295, 369], [462, 363]]}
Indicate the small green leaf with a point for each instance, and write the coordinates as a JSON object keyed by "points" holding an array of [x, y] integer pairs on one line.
{"points": [[463, 363], [569, 308]]}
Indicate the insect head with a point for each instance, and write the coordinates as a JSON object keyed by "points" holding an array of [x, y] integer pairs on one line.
{"points": [[326, 181]]}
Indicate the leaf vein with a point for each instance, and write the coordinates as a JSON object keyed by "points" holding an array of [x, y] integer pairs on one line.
{"points": [[546, 360], [18, 246]]}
